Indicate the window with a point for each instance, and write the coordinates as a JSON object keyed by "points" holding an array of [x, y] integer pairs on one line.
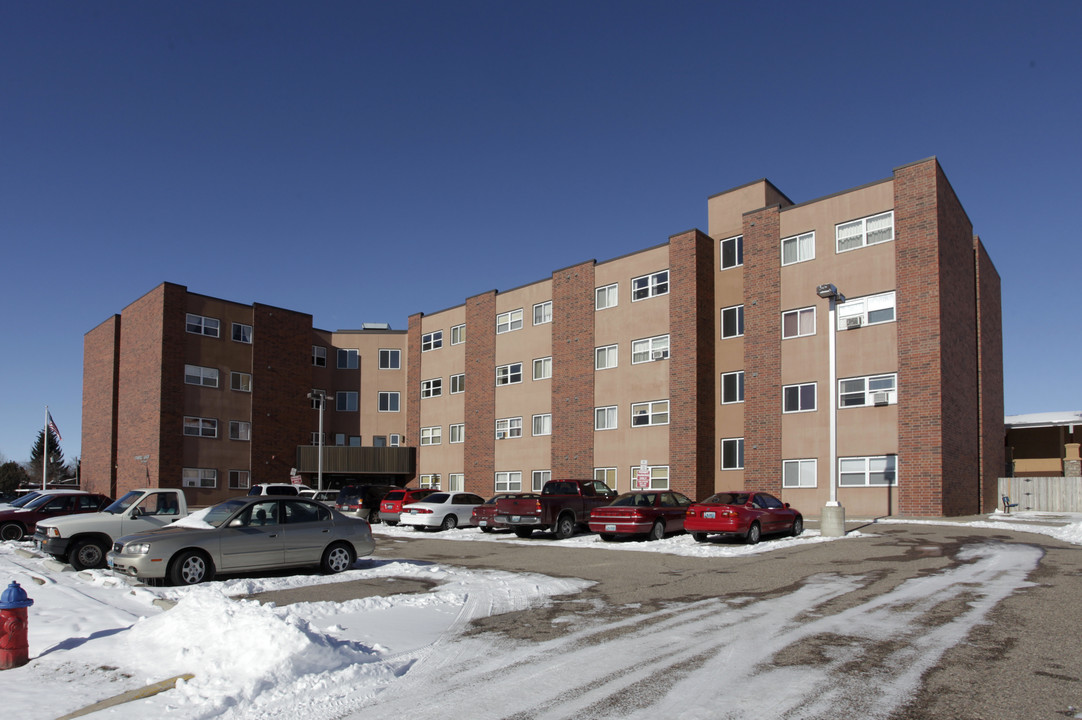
{"points": [[201, 427], [606, 475], [432, 341], [508, 482], [732, 321], [394, 439], [798, 248], [458, 383], [606, 297], [456, 482], [345, 401], [319, 356], [241, 382], [339, 439], [605, 418], [606, 357], [798, 473], [347, 360], [798, 398], [649, 349], [388, 401], [650, 413], [199, 478], [542, 313], [659, 477], [239, 480], [197, 375], [508, 321], [431, 435], [379, 441], [432, 388], [542, 368], [869, 390], [508, 428], [390, 359], [354, 440], [458, 334], [732, 387], [649, 286], [456, 433], [866, 231], [319, 438], [798, 323], [732, 454], [509, 374], [868, 310], [242, 333], [201, 325], [542, 424], [540, 477], [316, 397], [431, 482], [875, 471], [240, 430], [732, 252]]}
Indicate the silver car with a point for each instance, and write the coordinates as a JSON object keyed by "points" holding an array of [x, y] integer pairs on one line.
{"points": [[241, 535]]}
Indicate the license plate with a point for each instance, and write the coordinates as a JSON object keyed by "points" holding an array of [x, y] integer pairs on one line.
{"points": [[482, 523], [413, 511], [515, 518], [109, 562], [709, 514], [610, 528]]}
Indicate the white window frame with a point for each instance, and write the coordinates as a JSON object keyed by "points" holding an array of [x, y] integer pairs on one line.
{"points": [[655, 412], [456, 433], [509, 321], [245, 333], [659, 477], [738, 445], [202, 325], [542, 424], [542, 312], [431, 388], [867, 306], [883, 382], [206, 478], [864, 468], [538, 478], [605, 474], [346, 401], [737, 244], [542, 368], [456, 482], [458, 383], [240, 480], [805, 248], [649, 286], [801, 473], [606, 296], [606, 417], [319, 356], [390, 359], [788, 391], [429, 481], [318, 438], [800, 314], [238, 382], [508, 428], [738, 378], [432, 435], [458, 334], [200, 427], [204, 376], [432, 341], [646, 350], [737, 311], [394, 440], [389, 401], [508, 481], [314, 397], [240, 430], [348, 359], [855, 233], [340, 439], [507, 374], [606, 357]]}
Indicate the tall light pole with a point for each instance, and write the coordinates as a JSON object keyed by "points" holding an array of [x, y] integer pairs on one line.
{"points": [[321, 396], [832, 521]]}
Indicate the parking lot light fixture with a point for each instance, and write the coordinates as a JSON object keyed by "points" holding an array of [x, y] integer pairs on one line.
{"points": [[321, 396], [832, 521]]}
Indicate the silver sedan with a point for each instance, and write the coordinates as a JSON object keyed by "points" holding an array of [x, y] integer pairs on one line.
{"points": [[242, 535]]}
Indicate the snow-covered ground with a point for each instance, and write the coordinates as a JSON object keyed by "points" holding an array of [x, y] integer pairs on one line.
{"points": [[93, 637]]}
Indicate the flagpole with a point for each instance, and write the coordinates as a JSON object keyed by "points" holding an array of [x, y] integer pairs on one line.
{"points": [[45, 455]]}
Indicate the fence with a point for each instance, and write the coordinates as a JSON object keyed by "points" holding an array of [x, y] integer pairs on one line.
{"points": [[1045, 494]]}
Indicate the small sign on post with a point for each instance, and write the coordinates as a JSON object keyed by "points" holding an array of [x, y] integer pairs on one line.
{"points": [[642, 477]]}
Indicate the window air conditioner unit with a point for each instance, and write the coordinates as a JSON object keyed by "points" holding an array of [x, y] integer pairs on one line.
{"points": [[501, 435], [659, 354], [853, 323], [881, 398]]}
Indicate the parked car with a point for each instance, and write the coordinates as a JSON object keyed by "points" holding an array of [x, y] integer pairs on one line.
{"points": [[241, 535], [22, 500], [390, 507], [327, 497], [749, 515], [645, 512], [362, 500], [18, 522], [443, 510], [564, 506], [484, 516], [277, 489]]}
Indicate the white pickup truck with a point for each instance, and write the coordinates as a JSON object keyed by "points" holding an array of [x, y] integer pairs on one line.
{"points": [[83, 540]]}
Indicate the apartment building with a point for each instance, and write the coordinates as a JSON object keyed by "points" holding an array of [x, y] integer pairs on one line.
{"points": [[699, 364]]}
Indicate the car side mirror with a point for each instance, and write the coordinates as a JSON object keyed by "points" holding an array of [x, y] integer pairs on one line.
{"points": [[136, 512], [236, 522]]}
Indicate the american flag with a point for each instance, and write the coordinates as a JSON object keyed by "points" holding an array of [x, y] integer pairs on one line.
{"points": [[53, 427]]}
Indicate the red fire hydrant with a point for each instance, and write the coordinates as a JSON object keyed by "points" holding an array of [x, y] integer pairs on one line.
{"points": [[14, 647]]}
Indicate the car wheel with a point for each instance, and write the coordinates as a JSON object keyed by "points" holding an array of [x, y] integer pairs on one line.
{"points": [[524, 532], [11, 531], [450, 522], [798, 526], [190, 568], [390, 523], [374, 518], [607, 537], [657, 532], [565, 527], [486, 529], [754, 534], [87, 554], [337, 558], [699, 537]]}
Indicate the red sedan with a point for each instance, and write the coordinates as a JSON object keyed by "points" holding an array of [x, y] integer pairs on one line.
{"points": [[650, 513], [20, 521], [749, 515]]}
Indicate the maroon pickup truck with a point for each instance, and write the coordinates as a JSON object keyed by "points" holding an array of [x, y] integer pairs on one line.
{"points": [[563, 506]]}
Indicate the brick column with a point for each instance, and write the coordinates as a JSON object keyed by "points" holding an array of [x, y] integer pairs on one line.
{"points": [[412, 394], [990, 324], [479, 453], [573, 372], [101, 375]]}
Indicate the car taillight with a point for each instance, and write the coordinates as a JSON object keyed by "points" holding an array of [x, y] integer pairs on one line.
{"points": [[422, 511], [538, 506]]}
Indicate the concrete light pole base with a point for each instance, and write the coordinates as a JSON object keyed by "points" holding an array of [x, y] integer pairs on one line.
{"points": [[832, 521]]}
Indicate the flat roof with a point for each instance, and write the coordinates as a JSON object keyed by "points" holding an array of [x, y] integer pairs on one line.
{"points": [[1048, 419]]}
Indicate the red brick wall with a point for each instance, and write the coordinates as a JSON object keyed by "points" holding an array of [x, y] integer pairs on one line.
{"points": [[479, 452], [573, 374], [990, 318], [412, 395], [692, 451], [762, 350], [101, 350]]}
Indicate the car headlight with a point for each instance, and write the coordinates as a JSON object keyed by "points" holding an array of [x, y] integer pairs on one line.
{"points": [[137, 548], [52, 532]]}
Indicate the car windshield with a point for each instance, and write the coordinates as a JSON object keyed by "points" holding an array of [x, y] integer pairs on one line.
{"points": [[634, 500], [436, 498], [21, 502], [395, 495], [349, 495], [220, 513], [727, 498], [121, 504], [39, 501]]}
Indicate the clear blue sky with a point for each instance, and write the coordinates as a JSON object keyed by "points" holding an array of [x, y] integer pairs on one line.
{"points": [[361, 161]]}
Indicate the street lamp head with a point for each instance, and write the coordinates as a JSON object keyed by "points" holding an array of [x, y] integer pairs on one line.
{"points": [[827, 290]]}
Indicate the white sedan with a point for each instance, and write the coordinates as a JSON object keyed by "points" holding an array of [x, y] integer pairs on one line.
{"points": [[443, 510]]}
